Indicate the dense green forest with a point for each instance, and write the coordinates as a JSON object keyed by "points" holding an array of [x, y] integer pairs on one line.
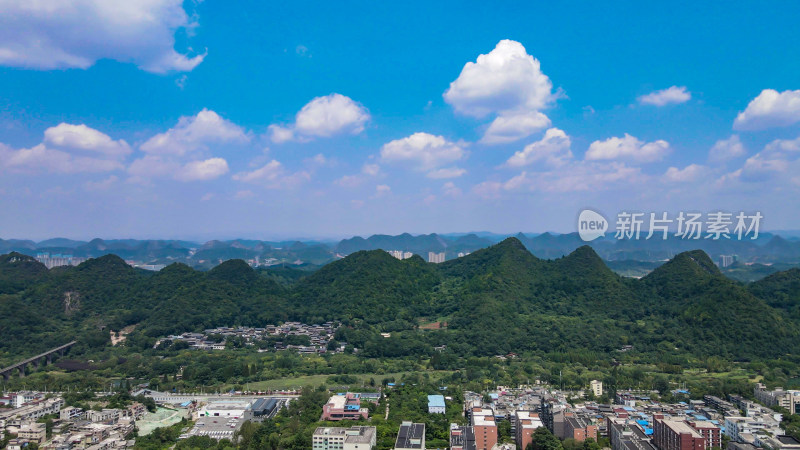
{"points": [[496, 301]]}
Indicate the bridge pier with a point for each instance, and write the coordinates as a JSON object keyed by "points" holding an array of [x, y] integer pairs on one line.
{"points": [[37, 361]]}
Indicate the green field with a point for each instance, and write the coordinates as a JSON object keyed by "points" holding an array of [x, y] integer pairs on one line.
{"points": [[316, 380]]}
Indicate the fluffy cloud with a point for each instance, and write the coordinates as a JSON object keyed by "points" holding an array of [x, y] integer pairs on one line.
{"points": [[777, 163], [75, 34], [323, 117], [670, 96], [726, 149], [553, 149], [508, 82], [423, 151], [627, 148], [510, 128], [770, 109], [81, 137], [195, 133], [448, 172], [40, 158], [506, 79], [208, 169], [371, 169], [67, 148], [273, 175], [152, 166], [688, 173]]}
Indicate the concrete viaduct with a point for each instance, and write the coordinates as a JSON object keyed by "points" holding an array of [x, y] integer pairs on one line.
{"points": [[46, 358]]}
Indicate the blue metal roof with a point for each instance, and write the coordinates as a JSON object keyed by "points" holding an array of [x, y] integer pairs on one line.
{"points": [[435, 400]]}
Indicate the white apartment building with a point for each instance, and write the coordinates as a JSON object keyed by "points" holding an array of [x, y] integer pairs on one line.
{"points": [[338, 438]]}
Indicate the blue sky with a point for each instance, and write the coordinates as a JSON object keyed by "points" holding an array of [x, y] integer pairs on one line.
{"points": [[310, 119]]}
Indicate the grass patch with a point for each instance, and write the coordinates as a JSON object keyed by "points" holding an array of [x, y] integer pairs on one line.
{"points": [[316, 380]]}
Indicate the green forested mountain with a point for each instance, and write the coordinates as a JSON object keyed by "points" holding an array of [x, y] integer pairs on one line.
{"points": [[780, 290], [496, 300]]}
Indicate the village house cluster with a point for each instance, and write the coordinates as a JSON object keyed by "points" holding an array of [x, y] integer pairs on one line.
{"points": [[279, 337], [72, 428]]}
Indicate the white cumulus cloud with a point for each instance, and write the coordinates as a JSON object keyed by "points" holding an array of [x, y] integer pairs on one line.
{"points": [[41, 158], [67, 148], [56, 34], [447, 172], [627, 148], [203, 170], [423, 151], [195, 133], [505, 79], [323, 117], [513, 127], [670, 96], [725, 149], [688, 173], [273, 175], [553, 149], [776, 164], [506, 82], [81, 137], [769, 110]]}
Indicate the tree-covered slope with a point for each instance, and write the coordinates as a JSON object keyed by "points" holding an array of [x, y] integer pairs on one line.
{"points": [[496, 300], [780, 290], [368, 285]]}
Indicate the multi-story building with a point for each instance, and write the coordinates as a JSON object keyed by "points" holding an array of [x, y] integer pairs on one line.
{"points": [[436, 404], [344, 407], [670, 434], [525, 424], [781, 442], [744, 429], [579, 427], [434, 257], [485, 428], [410, 436], [627, 435], [33, 410], [70, 412], [597, 388], [32, 432], [726, 260], [337, 438], [789, 400], [462, 438], [720, 405], [709, 431], [55, 260], [552, 416], [399, 254]]}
